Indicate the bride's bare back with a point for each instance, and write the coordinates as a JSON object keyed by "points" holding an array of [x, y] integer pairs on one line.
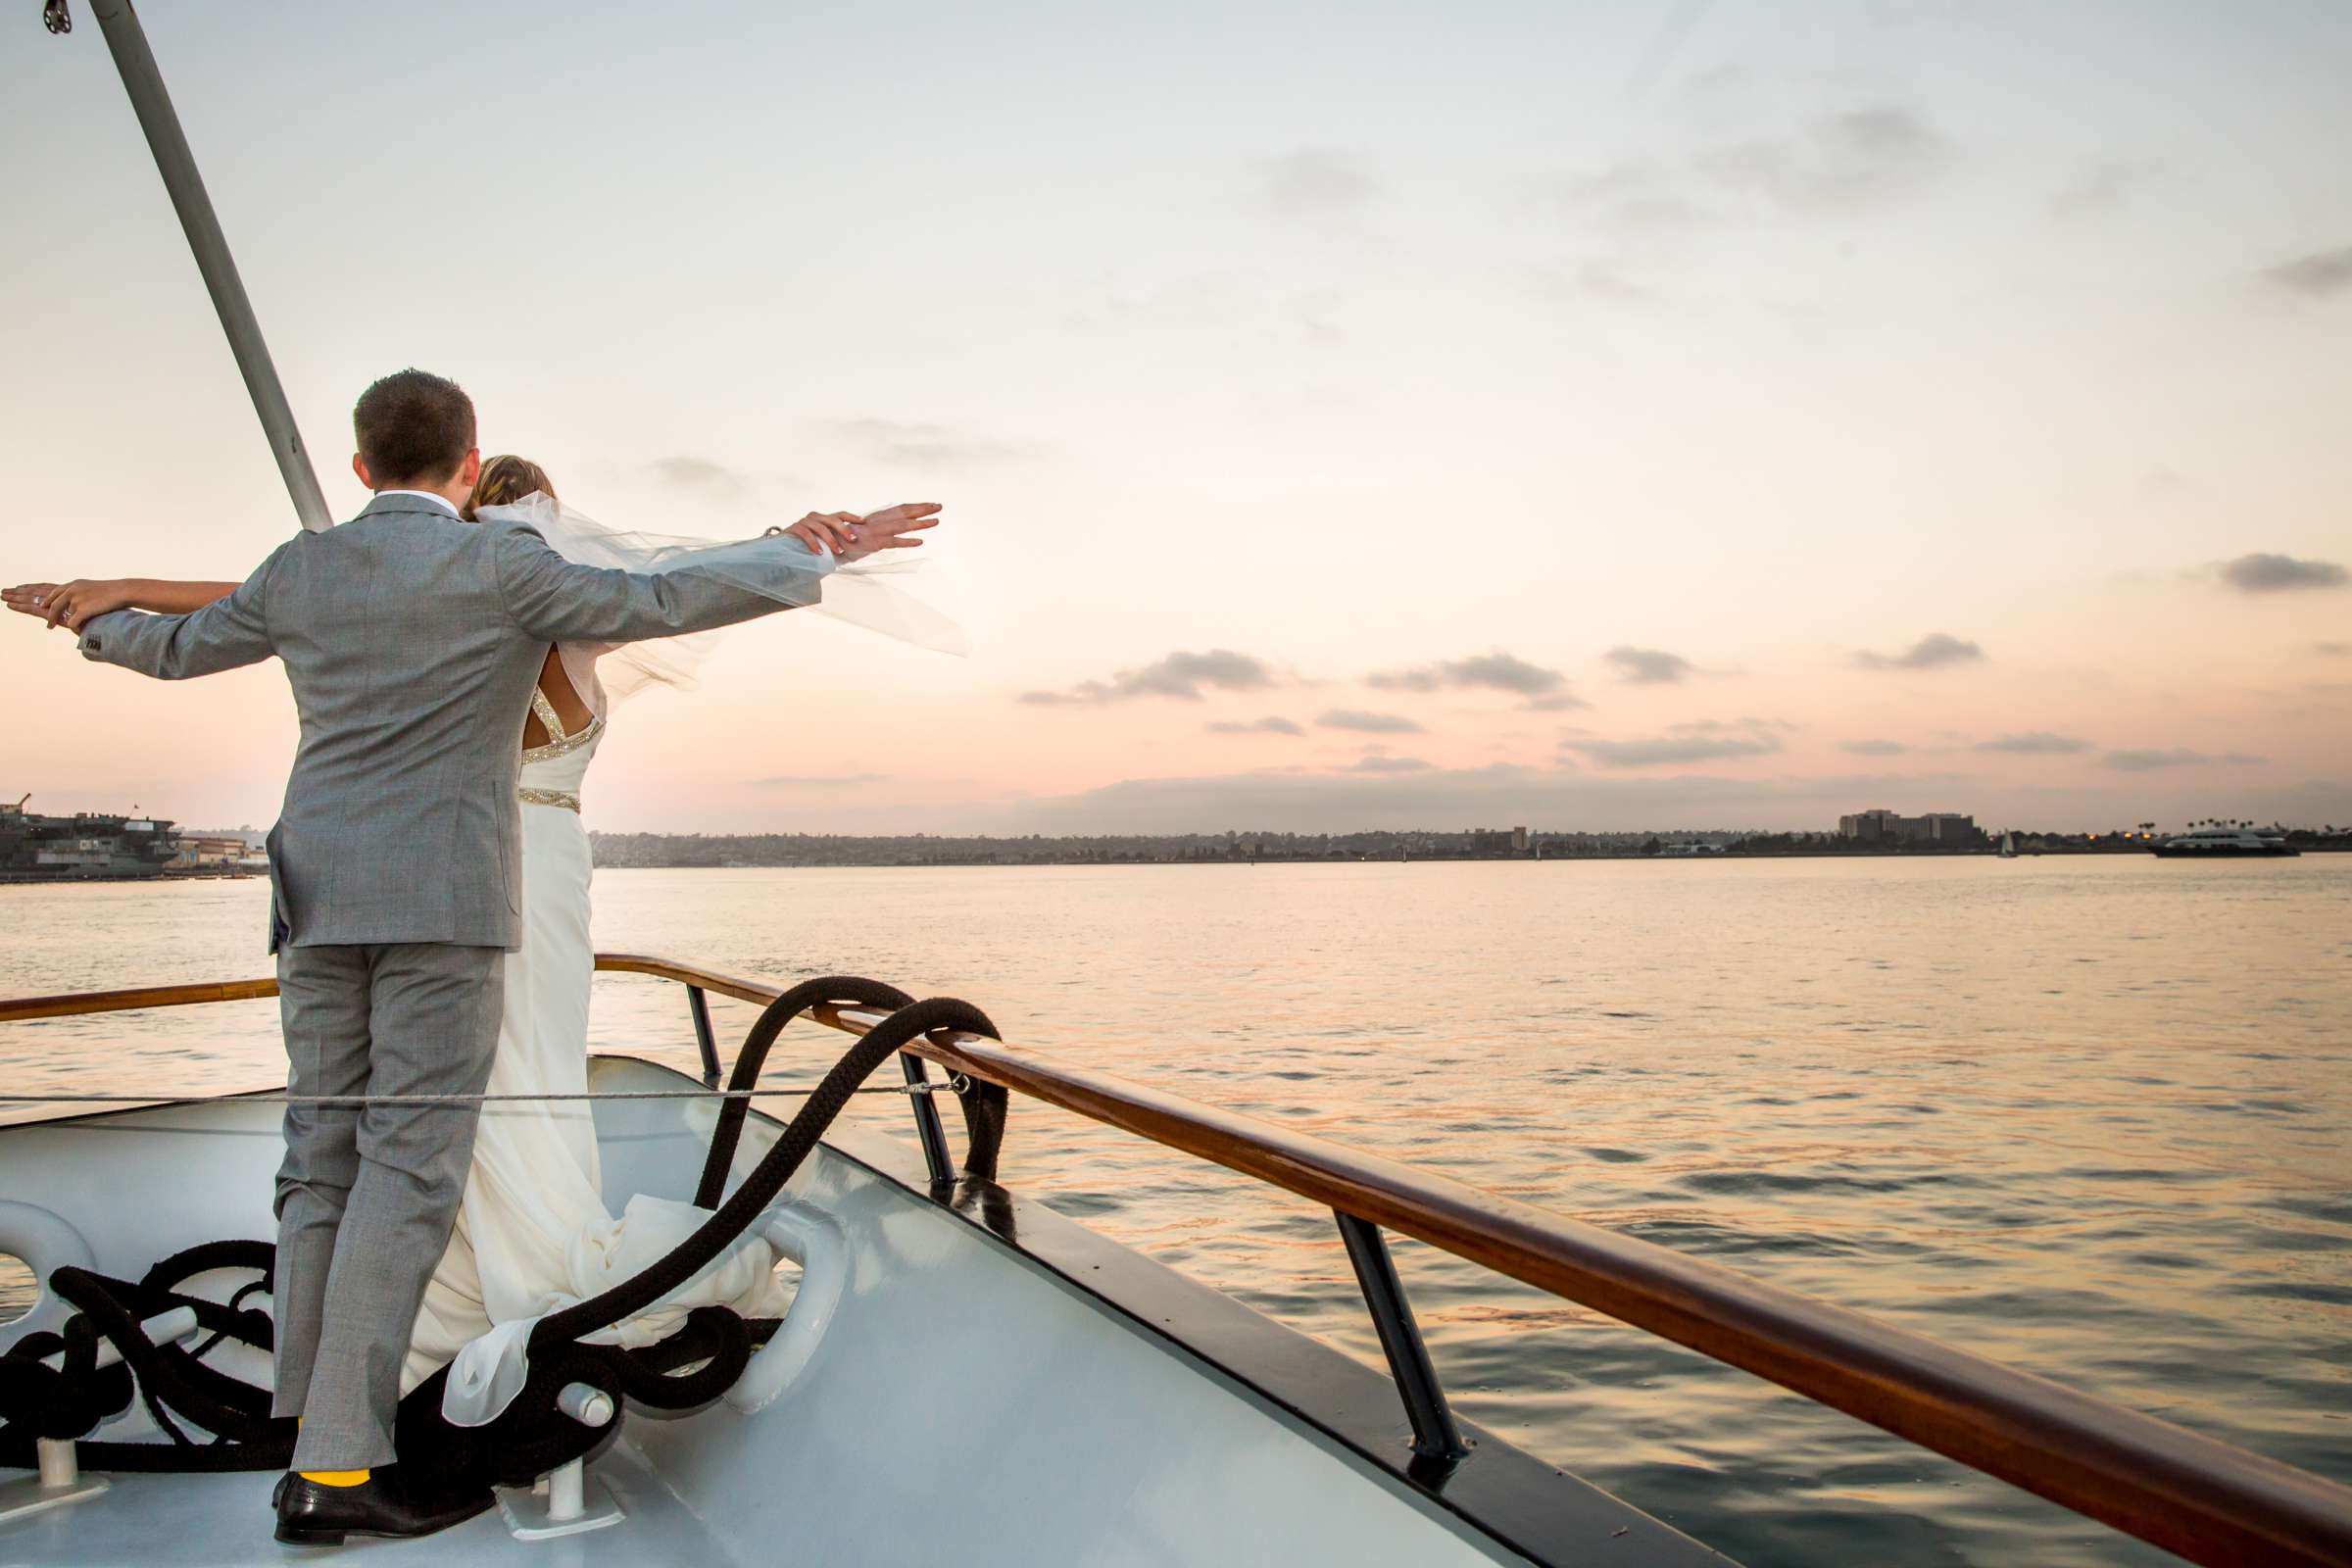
{"points": [[566, 702]]}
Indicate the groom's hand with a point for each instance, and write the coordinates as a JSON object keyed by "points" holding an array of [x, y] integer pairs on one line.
{"points": [[893, 529]]}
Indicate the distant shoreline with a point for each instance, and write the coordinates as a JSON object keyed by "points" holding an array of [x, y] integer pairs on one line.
{"points": [[1429, 859], [31, 880], [1245, 861]]}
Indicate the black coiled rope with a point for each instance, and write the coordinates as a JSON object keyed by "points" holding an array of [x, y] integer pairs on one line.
{"points": [[69, 1401], [984, 1104], [767, 1181], [851, 991], [531, 1436]]}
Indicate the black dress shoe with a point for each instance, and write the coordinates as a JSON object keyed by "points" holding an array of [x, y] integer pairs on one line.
{"points": [[309, 1514]]}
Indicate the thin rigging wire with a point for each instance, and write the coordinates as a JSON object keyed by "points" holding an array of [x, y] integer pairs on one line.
{"points": [[449, 1099]]}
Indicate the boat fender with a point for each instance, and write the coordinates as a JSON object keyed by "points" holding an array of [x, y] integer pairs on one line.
{"points": [[45, 1241], [815, 1239]]}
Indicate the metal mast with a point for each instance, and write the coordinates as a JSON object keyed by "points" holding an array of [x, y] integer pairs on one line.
{"points": [[173, 160]]}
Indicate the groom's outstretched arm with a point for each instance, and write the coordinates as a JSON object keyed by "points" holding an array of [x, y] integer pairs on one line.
{"points": [[561, 602], [558, 600], [225, 634]]}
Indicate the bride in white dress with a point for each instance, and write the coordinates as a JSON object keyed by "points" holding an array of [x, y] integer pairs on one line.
{"points": [[533, 1234]]}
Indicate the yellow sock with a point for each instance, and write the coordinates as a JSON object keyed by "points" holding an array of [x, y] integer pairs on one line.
{"points": [[337, 1478]]}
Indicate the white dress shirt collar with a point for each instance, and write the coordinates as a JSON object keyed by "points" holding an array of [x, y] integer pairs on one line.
{"points": [[439, 501]]}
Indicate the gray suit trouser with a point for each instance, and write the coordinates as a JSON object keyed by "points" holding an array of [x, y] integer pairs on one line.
{"points": [[367, 1196]]}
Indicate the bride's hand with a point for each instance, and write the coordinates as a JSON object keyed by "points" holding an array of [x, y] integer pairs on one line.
{"points": [[823, 531], [29, 597], [68, 604], [891, 527]]}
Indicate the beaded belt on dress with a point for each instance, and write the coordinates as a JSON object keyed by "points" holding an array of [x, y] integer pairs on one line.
{"points": [[562, 746]]}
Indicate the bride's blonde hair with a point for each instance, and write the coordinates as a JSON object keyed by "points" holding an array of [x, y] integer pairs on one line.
{"points": [[506, 479]]}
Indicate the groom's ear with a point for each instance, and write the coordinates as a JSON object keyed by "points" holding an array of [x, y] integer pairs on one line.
{"points": [[469, 473], [359, 467]]}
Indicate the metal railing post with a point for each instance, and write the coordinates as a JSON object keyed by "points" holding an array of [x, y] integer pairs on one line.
{"points": [[1434, 1436], [927, 1125], [699, 1005]]}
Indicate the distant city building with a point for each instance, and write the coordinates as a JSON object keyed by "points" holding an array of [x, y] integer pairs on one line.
{"points": [[208, 852], [1945, 829]]}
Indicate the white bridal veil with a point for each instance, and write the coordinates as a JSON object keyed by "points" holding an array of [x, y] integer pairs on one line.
{"points": [[858, 593]]}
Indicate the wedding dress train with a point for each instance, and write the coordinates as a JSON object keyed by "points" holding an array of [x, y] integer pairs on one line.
{"points": [[533, 1234]]}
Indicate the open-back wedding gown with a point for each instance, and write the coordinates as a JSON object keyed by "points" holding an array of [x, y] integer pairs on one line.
{"points": [[533, 1234]]}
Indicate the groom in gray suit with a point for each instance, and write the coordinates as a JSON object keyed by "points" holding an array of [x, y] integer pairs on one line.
{"points": [[413, 641]]}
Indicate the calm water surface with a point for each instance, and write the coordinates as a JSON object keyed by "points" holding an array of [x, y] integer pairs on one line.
{"points": [[2089, 1116]]}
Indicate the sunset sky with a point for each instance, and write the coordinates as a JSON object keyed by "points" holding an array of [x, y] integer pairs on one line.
{"points": [[1409, 415]]}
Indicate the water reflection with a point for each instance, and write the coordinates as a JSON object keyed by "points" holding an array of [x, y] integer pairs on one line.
{"points": [[2089, 1117]]}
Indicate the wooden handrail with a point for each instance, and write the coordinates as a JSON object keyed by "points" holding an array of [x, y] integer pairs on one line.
{"points": [[756, 992], [75, 1002], [2206, 1500]]}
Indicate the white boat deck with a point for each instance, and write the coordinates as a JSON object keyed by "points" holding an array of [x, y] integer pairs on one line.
{"points": [[942, 1391], [182, 1521]]}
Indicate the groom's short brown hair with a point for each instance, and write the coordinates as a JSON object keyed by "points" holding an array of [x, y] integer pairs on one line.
{"points": [[413, 426]]}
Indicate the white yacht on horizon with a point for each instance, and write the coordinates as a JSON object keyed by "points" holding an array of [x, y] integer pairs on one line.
{"points": [[2224, 842]]}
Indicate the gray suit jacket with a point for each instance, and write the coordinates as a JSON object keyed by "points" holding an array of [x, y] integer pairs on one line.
{"points": [[413, 641]]}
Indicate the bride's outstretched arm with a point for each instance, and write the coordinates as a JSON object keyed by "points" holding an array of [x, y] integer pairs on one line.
{"points": [[70, 603]]}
